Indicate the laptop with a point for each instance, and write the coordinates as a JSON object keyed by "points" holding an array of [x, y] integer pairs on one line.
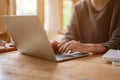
{"points": [[30, 38]]}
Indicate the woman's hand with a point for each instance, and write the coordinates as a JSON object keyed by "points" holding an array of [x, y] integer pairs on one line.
{"points": [[81, 47], [74, 46], [56, 45]]}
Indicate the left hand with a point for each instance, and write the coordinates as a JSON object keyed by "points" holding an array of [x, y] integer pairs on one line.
{"points": [[55, 45], [75, 46]]}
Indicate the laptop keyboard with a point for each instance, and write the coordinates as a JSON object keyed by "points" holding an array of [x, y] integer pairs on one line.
{"points": [[65, 56]]}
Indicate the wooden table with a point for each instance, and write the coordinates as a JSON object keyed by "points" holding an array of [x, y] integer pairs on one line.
{"points": [[15, 66]]}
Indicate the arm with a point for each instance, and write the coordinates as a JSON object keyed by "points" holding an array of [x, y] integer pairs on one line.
{"points": [[71, 33], [114, 41], [82, 47]]}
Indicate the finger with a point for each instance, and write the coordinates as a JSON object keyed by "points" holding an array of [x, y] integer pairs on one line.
{"points": [[72, 51], [59, 45], [63, 47], [68, 48], [54, 43], [69, 52]]}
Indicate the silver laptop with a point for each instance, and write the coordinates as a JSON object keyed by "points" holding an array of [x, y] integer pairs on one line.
{"points": [[30, 38]]}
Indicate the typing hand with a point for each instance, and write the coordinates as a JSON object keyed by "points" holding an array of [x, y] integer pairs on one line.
{"points": [[56, 45], [82, 47], [74, 46]]}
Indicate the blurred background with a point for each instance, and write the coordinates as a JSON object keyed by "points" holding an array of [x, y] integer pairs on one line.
{"points": [[54, 14]]}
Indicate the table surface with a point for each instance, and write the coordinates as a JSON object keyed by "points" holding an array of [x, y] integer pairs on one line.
{"points": [[16, 66]]}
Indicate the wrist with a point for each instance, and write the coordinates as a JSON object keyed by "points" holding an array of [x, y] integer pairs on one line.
{"points": [[98, 48], [95, 48]]}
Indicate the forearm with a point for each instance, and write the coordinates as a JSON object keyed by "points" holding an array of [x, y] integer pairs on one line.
{"points": [[96, 48]]}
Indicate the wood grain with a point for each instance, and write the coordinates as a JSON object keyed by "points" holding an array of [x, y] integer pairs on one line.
{"points": [[15, 66]]}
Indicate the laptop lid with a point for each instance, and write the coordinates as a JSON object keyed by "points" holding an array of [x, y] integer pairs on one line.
{"points": [[29, 36]]}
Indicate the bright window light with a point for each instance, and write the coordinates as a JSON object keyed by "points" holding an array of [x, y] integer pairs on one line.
{"points": [[26, 7], [67, 12]]}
